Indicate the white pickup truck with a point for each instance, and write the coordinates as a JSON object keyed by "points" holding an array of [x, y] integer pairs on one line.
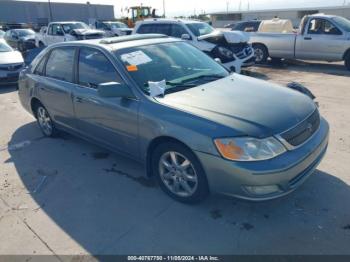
{"points": [[67, 31], [319, 37]]}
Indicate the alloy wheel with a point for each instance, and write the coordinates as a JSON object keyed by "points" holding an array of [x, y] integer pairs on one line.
{"points": [[44, 121], [178, 174]]}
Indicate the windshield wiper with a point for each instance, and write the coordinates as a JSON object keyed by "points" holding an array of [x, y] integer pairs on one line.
{"points": [[177, 86], [200, 77]]}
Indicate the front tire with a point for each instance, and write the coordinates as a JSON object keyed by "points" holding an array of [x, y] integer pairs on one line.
{"points": [[261, 53], [45, 122], [179, 173]]}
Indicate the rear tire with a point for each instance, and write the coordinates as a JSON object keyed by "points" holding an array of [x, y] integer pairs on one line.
{"points": [[347, 60], [179, 173], [45, 122], [261, 53]]}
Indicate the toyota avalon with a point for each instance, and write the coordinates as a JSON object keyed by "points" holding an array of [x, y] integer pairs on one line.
{"points": [[196, 127]]}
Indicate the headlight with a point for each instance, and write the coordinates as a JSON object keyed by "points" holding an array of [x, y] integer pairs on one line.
{"points": [[225, 52], [249, 149]]}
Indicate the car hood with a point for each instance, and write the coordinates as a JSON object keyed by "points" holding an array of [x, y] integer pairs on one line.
{"points": [[13, 57], [249, 106], [231, 37], [87, 31]]}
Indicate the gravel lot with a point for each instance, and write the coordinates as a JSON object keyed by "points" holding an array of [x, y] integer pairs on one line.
{"points": [[67, 196]]}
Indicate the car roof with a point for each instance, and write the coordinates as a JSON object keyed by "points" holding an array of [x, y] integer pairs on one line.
{"points": [[121, 42], [166, 20], [66, 22]]}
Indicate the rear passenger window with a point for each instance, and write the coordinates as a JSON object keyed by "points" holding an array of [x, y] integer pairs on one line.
{"points": [[94, 68], [145, 29], [60, 64], [164, 29]]}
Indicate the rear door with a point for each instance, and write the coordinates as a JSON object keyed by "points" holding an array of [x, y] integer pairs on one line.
{"points": [[322, 40], [57, 85], [113, 121]]}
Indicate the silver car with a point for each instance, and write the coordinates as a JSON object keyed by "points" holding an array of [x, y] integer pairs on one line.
{"points": [[11, 63], [196, 127]]}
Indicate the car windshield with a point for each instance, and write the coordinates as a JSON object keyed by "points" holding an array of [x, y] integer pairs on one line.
{"points": [[25, 32], [5, 47], [71, 26], [343, 23], [199, 29], [180, 64], [117, 25]]}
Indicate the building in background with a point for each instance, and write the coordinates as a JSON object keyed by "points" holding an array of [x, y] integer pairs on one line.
{"points": [[44, 12], [219, 19]]}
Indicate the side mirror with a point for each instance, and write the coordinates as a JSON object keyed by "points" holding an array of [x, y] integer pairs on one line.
{"points": [[186, 37], [114, 89], [218, 60]]}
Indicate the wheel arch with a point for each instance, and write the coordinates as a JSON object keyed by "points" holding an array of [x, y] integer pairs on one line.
{"points": [[346, 53], [154, 144], [262, 44], [34, 103]]}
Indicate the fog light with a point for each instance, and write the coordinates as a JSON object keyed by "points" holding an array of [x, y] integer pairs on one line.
{"points": [[262, 190]]}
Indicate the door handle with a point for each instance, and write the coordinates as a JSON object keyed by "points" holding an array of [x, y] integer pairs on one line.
{"points": [[307, 38]]}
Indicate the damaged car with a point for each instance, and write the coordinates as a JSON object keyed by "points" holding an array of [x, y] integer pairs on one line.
{"points": [[230, 48], [68, 31], [112, 28]]}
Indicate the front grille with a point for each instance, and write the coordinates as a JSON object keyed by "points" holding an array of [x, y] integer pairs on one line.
{"points": [[11, 67], [241, 50], [303, 131]]}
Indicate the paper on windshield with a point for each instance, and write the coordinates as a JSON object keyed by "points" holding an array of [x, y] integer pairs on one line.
{"points": [[136, 58], [157, 88]]}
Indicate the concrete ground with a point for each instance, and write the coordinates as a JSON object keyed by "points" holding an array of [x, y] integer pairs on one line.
{"points": [[67, 196]]}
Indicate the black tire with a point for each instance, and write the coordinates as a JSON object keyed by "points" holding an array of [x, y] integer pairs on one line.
{"points": [[347, 60], [41, 44], [194, 171], [261, 53], [45, 122]]}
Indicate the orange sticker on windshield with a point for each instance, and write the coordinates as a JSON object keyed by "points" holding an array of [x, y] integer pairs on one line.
{"points": [[131, 68]]}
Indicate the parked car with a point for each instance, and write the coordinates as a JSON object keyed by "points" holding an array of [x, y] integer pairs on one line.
{"points": [[2, 33], [21, 39], [196, 127], [11, 63], [113, 28], [9, 26], [245, 26], [68, 31], [232, 48], [320, 37], [39, 42]]}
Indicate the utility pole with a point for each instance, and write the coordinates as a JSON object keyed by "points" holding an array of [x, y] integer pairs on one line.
{"points": [[227, 4], [164, 8], [50, 11]]}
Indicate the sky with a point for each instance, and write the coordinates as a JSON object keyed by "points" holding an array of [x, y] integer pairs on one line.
{"points": [[189, 7]]}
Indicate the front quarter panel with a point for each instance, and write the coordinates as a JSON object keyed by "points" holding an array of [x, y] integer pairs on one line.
{"points": [[158, 120]]}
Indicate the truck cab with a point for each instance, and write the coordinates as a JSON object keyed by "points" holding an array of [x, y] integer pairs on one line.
{"points": [[69, 31]]}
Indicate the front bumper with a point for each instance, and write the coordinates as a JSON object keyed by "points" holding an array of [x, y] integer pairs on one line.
{"points": [[287, 171], [238, 63], [9, 77]]}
